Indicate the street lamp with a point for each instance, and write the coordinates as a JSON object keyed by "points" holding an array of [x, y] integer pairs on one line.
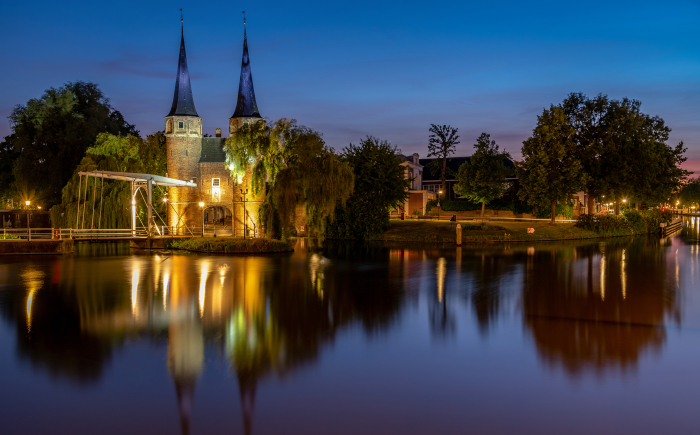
{"points": [[27, 204], [245, 211], [201, 206], [439, 193]]}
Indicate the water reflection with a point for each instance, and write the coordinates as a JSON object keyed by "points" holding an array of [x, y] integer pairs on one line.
{"points": [[599, 310], [587, 307]]}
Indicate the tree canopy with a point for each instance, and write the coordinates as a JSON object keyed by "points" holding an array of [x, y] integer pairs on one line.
{"points": [[623, 151], [51, 135], [111, 207], [483, 178], [300, 169], [380, 184], [442, 143], [550, 172]]}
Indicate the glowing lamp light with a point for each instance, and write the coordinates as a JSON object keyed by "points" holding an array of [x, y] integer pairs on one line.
{"points": [[230, 167], [165, 199], [27, 203], [201, 204], [240, 179], [133, 202], [39, 207], [624, 200]]}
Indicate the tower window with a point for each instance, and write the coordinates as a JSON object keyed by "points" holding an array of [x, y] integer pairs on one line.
{"points": [[185, 152], [180, 125], [215, 182], [171, 153]]}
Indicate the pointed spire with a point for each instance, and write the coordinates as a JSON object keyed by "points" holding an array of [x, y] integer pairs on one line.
{"points": [[183, 103], [246, 107]]}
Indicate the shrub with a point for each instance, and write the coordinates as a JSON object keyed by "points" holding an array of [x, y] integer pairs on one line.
{"points": [[230, 245], [430, 204], [636, 222], [562, 209], [605, 223]]}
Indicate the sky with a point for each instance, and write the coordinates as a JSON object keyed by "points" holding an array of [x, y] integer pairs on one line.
{"points": [[351, 69]]}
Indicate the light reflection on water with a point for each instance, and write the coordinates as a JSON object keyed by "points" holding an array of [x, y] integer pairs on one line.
{"points": [[348, 335]]}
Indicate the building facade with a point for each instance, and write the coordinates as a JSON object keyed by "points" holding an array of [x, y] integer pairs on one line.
{"points": [[218, 198]]}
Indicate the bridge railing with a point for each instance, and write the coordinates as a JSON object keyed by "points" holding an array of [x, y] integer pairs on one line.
{"points": [[69, 233]]}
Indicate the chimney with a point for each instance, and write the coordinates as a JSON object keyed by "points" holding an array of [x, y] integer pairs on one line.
{"points": [[218, 132], [415, 158]]}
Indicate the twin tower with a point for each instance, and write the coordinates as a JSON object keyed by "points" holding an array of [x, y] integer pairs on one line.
{"points": [[193, 157]]}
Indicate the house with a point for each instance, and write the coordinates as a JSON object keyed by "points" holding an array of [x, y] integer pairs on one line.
{"points": [[432, 183], [417, 197]]}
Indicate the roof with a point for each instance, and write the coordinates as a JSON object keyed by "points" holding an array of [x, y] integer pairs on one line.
{"points": [[213, 150], [183, 103], [453, 164], [246, 107]]}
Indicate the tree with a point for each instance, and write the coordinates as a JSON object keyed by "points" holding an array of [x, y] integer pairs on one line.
{"points": [[299, 169], [111, 207], [442, 143], [52, 133], [483, 178], [380, 184], [623, 151], [8, 191], [690, 193], [550, 171]]}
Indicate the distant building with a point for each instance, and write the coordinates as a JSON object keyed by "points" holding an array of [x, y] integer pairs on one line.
{"points": [[190, 156], [432, 183], [417, 197]]}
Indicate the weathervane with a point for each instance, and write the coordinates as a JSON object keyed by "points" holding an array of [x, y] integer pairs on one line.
{"points": [[182, 20], [244, 18]]}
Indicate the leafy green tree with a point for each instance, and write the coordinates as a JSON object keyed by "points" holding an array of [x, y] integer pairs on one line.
{"points": [[52, 133], [299, 168], [550, 171], [380, 184], [443, 142], [690, 193], [111, 207], [8, 192], [623, 151], [483, 178]]}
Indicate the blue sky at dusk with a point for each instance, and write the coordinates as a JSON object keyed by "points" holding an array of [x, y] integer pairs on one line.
{"points": [[350, 69]]}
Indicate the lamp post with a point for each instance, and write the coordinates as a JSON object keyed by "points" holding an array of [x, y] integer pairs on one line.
{"points": [[245, 211], [438, 204], [27, 204], [201, 206]]}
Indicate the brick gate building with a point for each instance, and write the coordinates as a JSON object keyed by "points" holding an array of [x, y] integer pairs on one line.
{"points": [[191, 156]]}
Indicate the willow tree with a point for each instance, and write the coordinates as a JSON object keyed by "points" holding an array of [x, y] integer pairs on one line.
{"points": [[108, 204], [299, 168]]}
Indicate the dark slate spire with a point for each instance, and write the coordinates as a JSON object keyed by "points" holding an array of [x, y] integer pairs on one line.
{"points": [[246, 107], [183, 103]]}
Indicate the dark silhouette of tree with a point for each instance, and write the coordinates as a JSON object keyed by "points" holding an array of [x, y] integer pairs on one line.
{"points": [[442, 143]]}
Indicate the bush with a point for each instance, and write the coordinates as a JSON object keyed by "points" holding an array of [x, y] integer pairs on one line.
{"points": [[562, 210], [604, 223], [633, 222], [636, 222], [230, 245], [430, 204]]}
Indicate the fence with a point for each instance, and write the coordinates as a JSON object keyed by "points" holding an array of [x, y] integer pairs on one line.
{"points": [[139, 232]]}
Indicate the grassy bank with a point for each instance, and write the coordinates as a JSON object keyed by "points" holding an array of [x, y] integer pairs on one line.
{"points": [[230, 245], [445, 232]]}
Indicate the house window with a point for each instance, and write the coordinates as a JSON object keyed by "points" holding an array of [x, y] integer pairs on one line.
{"points": [[181, 125]]}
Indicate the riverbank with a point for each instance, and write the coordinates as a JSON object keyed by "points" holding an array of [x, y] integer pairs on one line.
{"points": [[445, 232], [230, 245]]}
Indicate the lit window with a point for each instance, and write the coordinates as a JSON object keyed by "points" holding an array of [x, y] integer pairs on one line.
{"points": [[180, 125]]}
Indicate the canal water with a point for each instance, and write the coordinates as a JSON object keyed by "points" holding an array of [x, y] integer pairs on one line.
{"points": [[577, 338]]}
